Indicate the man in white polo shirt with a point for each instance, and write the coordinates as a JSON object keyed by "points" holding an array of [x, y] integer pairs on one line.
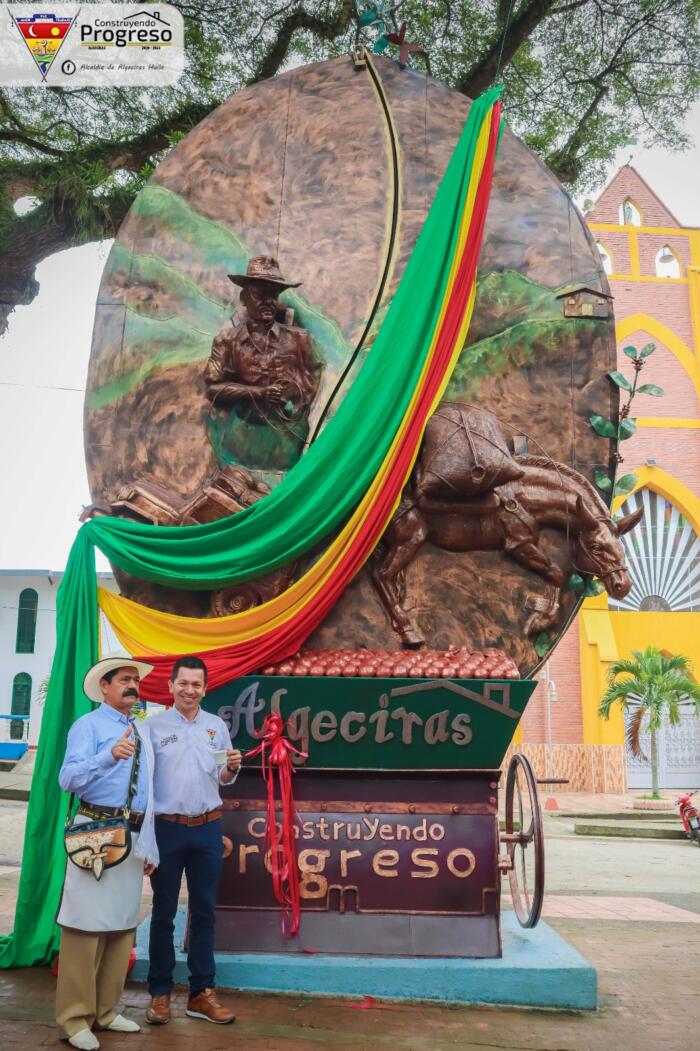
{"points": [[186, 740]]}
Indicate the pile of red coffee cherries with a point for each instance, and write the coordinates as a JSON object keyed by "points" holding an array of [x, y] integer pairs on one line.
{"points": [[456, 662]]}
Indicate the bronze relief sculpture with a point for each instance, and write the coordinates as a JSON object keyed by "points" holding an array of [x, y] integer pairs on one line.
{"points": [[261, 374], [468, 493], [191, 414]]}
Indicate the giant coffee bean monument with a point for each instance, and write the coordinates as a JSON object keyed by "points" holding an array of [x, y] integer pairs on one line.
{"points": [[334, 179], [309, 192], [356, 475]]}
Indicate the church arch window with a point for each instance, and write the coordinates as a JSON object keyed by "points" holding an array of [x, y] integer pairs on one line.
{"points": [[20, 704], [630, 213], [667, 263], [605, 257], [663, 558], [26, 621]]}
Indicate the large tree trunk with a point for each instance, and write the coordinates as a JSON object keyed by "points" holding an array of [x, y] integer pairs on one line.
{"points": [[654, 767]]}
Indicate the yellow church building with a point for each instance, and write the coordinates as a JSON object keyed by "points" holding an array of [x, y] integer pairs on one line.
{"points": [[653, 266]]}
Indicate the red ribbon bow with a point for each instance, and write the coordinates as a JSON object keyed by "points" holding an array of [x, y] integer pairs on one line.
{"points": [[276, 751]]}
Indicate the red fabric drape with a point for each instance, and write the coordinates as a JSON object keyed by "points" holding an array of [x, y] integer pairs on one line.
{"points": [[276, 753]]}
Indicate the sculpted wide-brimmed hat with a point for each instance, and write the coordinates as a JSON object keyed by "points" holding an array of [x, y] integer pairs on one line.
{"points": [[263, 268], [120, 659]]}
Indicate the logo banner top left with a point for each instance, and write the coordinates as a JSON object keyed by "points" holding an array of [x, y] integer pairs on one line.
{"points": [[96, 45]]}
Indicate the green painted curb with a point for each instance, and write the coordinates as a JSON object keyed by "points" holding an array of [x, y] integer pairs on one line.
{"points": [[623, 815], [622, 831]]}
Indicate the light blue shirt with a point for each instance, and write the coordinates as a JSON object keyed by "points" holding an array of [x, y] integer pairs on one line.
{"points": [[186, 779], [89, 768]]}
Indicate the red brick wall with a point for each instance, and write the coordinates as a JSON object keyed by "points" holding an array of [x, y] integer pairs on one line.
{"points": [[651, 244], [666, 302], [675, 450], [616, 244], [627, 183], [565, 672]]}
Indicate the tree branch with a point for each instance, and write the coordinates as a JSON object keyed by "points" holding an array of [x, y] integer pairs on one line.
{"points": [[128, 155], [565, 162], [33, 144], [503, 6], [568, 7], [324, 29], [51, 227], [483, 72], [54, 225]]}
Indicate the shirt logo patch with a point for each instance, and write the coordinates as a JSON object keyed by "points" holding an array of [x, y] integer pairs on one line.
{"points": [[168, 740], [212, 735]]}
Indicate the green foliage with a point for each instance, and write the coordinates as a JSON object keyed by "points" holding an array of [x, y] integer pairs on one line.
{"points": [[620, 381], [637, 355], [626, 426], [42, 690], [601, 480], [541, 644], [515, 321], [653, 685], [625, 484], [605, 428], [146, 172], [654, 681]]}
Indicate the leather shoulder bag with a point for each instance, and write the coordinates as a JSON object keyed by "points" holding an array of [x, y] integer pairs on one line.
{"points": [[104, 843]]}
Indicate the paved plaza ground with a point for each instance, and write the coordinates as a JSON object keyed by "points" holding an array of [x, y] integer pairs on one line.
{"points": [[632, 907]]}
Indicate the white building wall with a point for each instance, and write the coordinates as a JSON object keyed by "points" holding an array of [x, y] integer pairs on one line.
{"points": [[38, 663]]}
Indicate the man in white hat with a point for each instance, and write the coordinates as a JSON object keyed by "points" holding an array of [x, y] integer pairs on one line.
{"points": [[106, 757]]}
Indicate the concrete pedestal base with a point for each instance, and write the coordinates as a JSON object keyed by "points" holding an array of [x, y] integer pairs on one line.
{"points": [[537, 969]]}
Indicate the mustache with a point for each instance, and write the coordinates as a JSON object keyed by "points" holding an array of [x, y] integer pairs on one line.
{"points": [[131, 692]]}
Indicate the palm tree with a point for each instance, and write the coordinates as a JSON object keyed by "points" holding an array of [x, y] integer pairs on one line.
{"points": [[655, 686], [43, 689]]}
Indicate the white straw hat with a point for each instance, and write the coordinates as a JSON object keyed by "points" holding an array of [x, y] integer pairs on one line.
{"points": [[120, 659]]}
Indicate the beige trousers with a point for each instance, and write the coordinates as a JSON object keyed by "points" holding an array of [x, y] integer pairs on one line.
{"points": [[91, 976]]}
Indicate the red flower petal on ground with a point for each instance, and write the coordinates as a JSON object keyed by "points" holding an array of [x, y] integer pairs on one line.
{"points": [[366, 1003]]}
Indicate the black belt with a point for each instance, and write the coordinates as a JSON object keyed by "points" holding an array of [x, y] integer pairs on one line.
{"points": [[98, 812]]}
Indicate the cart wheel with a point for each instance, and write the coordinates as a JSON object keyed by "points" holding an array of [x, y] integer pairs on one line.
{"points": [[524, 841]]}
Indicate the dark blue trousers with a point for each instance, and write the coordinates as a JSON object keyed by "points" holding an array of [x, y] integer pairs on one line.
{"points": [[197, 852]]}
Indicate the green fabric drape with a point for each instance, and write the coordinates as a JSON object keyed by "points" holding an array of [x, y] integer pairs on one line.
{"points": [[315, 498], [35, 937]]}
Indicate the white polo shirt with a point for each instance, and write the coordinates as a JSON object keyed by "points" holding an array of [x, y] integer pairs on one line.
{"points": [[186, 779]]}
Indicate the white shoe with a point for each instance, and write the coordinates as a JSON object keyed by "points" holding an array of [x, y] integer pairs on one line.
{"points": [[85, 1040], [120, 1024]]}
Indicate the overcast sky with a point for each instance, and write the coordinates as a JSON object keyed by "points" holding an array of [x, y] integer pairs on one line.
{"points": [[43, 363]]}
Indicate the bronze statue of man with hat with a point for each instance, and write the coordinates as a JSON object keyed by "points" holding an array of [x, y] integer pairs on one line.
{"points": [[261, 377]]}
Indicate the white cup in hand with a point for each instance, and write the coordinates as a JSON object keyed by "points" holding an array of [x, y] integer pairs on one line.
{"points": [[220, 756]]}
